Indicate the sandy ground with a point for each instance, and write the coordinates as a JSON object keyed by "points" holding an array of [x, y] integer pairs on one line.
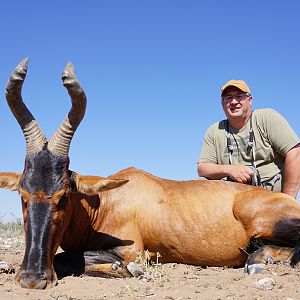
{"points": [[171, 281]]}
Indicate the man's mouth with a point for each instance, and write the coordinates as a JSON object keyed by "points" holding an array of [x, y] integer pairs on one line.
{"points": [[234, 109]]}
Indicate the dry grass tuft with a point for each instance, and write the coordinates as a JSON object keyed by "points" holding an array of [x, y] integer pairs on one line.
{"points": [[11, 235], [152, 269]]}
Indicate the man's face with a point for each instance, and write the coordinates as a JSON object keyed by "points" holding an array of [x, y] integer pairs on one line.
{"points": [[236, 103]]}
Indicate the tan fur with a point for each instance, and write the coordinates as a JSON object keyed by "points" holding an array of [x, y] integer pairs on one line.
{"points": [[41, 196], [259, 210], [194, 222], [92, 185], [10, 180]]}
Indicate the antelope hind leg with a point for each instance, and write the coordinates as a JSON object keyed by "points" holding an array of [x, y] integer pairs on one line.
{"points": [[267, 254]]}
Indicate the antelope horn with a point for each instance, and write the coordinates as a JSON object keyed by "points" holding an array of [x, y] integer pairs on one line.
{"points": [[60, 142], [35, 139]]}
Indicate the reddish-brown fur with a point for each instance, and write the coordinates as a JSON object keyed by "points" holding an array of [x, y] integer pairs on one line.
{"points": [[193, 222]]}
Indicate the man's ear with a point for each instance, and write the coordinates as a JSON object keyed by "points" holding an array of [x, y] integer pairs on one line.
{"points": [[250, 100], [10, 180], [92, 185]]}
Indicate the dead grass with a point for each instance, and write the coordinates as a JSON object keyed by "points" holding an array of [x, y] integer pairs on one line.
{"points": [[152, 269], [12, 228], [11, 236]]}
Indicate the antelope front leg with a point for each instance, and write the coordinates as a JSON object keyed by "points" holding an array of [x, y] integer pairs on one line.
{"points": [[97, 263], [94, 263]]}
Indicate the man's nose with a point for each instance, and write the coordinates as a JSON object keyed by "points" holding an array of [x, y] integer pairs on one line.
{"points": [[234, 101]]}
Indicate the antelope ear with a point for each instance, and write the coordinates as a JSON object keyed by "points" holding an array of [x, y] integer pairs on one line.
{"points": [[10, 180], [92, 185]]}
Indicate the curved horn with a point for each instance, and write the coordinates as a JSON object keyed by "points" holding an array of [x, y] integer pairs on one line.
{"points": [[60, 142], [35, 139]]}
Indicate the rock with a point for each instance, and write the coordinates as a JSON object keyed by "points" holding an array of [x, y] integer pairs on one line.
{"points": [[265, 283], [6, 267], [135, 269]]}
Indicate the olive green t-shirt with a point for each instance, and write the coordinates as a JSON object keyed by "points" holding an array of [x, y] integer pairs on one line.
{"points": [[273, 138]]}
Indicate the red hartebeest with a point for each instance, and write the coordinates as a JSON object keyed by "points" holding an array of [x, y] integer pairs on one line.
{"points": [[101, 223]]}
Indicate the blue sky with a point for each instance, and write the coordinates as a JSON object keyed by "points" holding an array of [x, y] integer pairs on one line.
{"points": [[152, 72]]}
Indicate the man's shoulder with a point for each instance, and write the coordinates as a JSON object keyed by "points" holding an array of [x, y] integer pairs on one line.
{"points": [[220, 125], [263, 114], [264, 111], [216, 130]]}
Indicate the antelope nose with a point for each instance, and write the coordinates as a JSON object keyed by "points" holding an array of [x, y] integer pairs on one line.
{"points": [[34, 284], [36, 281]]}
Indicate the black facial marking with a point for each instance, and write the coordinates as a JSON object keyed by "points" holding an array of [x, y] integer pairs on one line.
{"points": [[44, 172], [39, 224]]}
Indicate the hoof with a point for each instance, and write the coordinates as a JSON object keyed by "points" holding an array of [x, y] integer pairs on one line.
{"points": [[134, 269], [253, 269], [117, 266]]}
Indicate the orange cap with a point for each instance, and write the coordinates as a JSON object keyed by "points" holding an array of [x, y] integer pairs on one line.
{"points": [[240, 84]]}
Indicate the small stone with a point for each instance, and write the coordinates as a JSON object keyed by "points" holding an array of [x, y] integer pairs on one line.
{"points": [[135, 269], [6, 267], [265, 283]]}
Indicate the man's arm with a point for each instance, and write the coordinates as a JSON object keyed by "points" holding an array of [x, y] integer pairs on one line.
{"points": [[238, 173], [292, 172]]}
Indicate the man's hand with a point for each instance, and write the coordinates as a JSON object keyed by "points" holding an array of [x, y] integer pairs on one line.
{"points": [[240, 173]]}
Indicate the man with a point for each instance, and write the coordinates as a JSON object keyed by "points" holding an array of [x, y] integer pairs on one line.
{"points": [[254, 147]]}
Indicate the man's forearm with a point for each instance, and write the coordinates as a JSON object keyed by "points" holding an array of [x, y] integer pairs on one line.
{"points": [[212, 171], [238, 173], [292, 172]]}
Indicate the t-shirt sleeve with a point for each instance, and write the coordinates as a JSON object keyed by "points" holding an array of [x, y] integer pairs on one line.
{"points": [[208, 152], [279, 133]]}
